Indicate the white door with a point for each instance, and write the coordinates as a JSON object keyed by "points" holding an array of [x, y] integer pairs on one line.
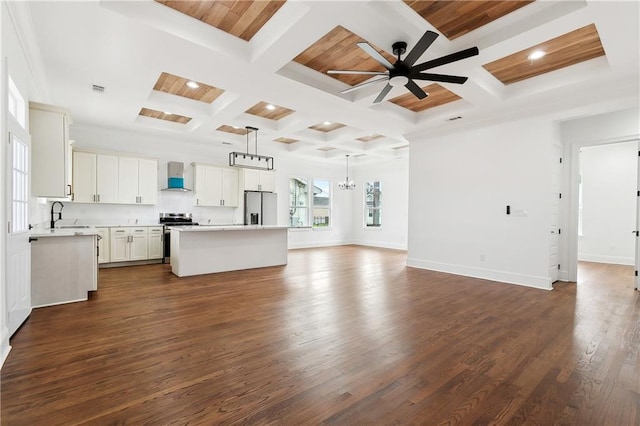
{"points": [[18, 247], [127, 180], [147, 181], [119, 245], [84, 177], [230, 187], [554, 239], [107, 178], [637, 280], [139, 249]]}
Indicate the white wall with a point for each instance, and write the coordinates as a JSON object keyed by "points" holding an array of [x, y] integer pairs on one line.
{"points": [[394, 180], [613, 127], [460, 186], [609, 184], [4, 331]]}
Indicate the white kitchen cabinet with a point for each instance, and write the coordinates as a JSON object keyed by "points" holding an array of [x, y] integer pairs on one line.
{"points": [[50, 151], [155, 242], [104, 255], [137, 180], [215, 186], [258, 180], [128, 243], [95, 178]]}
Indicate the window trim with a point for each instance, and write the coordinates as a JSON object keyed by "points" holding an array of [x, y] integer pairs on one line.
{"points": [[366, 208], [329, 207]]}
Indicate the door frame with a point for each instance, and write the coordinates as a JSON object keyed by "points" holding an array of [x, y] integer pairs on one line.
{"points": [[571, 179]]}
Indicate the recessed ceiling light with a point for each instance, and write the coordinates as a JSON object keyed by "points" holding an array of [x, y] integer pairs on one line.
{"points": [[193, 84], [270, 107], [537, 54], [326, 123], [167, 113]]}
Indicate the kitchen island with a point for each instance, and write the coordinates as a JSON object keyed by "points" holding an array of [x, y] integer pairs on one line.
{"points": [[197, 250], [64, 265]]}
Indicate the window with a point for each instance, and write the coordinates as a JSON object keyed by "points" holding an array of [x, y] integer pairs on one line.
{"points": [[321, 203], [17, 106], [298, 202], [20, 185], [372, 204]]}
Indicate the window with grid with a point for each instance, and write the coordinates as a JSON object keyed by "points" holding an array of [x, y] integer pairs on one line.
{"points": [[373, 204], [298, 202], [321, 203]]}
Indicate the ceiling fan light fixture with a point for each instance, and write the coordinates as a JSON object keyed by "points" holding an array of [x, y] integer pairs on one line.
{"points": [[398, 80]]}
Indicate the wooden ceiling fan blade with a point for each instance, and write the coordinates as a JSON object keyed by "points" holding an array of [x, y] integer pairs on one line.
{"points": [[416, 90], [375, 54], [439, 77], [385, 90], [421, 46], [357, 72], [457, 56], [366, 83]]}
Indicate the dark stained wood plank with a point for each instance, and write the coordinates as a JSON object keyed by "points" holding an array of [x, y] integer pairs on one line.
{"points": [[340, 335]]}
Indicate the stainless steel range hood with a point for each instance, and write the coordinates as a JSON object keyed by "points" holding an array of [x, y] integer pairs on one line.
{"points": [[175, 177]]}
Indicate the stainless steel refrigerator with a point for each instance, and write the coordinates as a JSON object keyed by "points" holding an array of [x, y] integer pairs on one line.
{"points": [[260, 208]]}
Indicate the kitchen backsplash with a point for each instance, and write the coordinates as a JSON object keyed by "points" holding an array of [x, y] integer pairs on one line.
{"points": [[118, 214]]}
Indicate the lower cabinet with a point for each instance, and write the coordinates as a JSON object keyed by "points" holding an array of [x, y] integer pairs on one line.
{"points": [[128, 243], [155, 243], [104, 252]]}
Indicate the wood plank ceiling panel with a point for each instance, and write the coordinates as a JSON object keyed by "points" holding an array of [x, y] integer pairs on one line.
{"points": [[456, 18], [326, 148], [569, 49], [261, 109], [369, 138], [146, 112], [232, 129], [176, 85], [337, 50], [438, 95], [241, 18], [286, 140], [329, 127]]}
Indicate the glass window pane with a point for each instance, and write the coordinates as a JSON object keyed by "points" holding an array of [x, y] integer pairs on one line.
{"points": [[298, 202], [373, 203], [320, 217], [321, 203]]}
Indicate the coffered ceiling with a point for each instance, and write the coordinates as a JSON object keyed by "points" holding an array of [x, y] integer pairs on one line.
{"points": [[203, 70]]}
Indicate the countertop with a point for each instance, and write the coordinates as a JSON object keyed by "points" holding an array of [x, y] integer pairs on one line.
{"points": [[64, 232], [210, 228]]}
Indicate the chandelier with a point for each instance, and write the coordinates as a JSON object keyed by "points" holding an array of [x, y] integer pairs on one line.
{"points": [[347, 184], [251, 161]]}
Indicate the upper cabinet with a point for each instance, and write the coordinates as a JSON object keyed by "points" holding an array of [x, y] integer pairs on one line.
{"points": [[215, 186], [108, 178], [137, 180], [50, 151], [258, 180]]}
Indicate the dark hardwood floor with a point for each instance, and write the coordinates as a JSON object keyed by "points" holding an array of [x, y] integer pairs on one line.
{"points": [[342, 335]]}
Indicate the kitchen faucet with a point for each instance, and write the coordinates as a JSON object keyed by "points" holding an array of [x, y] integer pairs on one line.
{"points": [[53, 221]]}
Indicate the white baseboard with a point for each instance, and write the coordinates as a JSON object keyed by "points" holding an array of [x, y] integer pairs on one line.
{"points": [[293, 246], [5, 348], [542, 283], [394, 246], [597, 258]]}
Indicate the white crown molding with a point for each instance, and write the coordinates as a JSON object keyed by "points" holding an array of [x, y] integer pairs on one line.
{"points": [[20, 17]]}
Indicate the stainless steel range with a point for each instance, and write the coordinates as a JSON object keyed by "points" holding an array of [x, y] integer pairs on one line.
{"points": [[168, 220]]}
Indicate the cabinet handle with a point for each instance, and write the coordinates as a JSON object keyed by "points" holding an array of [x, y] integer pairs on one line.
{"points": [[197, 201], [73, 196], [98, 197], [94, 198], [69, 190]]}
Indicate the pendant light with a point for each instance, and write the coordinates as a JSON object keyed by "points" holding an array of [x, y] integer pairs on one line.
{"points": [[251, 161], [347, 184]]}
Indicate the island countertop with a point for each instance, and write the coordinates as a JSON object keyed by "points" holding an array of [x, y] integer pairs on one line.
{"points": [[65, 232], [209, 228]]}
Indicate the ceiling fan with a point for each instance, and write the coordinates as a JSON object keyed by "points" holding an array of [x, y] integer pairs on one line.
{"points": [[403, 72]]}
